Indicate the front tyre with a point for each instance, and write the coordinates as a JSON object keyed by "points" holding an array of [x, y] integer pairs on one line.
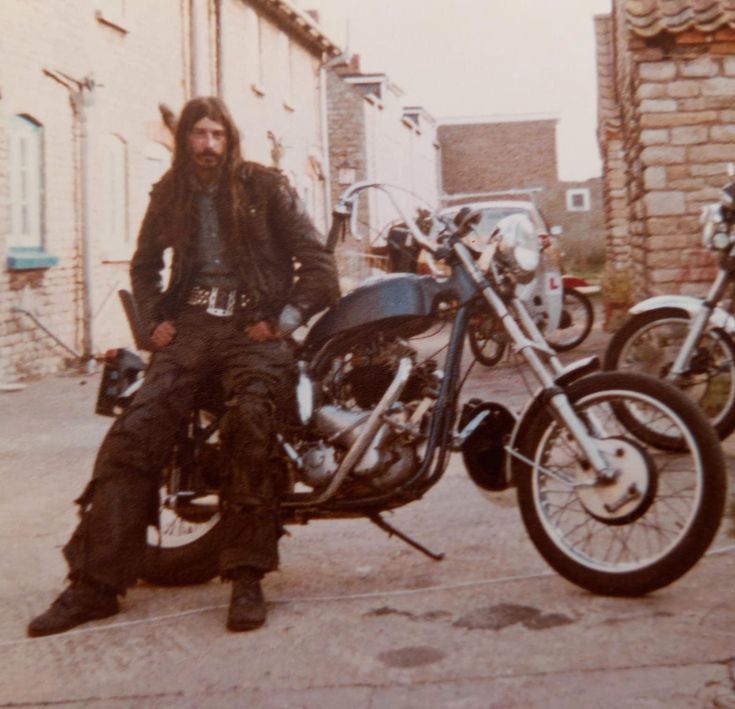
{"points": [[486, 337], [651, 524], [650, 341]]}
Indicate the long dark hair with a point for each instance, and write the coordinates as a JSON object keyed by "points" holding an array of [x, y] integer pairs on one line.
{"points": [[182, 165]]}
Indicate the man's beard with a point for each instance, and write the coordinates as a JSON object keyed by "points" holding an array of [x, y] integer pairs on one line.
{"points": [[208, 159]]}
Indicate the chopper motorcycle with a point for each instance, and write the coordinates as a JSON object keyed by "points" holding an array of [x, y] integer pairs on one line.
{"points": [[620, 479], [686, 340]]}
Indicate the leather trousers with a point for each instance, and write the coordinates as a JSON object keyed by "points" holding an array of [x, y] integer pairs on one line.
{"points": [[210, 356]]}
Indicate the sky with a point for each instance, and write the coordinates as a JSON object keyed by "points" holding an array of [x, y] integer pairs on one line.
{"points": [[483, 57]]}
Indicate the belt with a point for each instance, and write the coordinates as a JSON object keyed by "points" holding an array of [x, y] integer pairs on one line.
{"points": [[220, 302]]}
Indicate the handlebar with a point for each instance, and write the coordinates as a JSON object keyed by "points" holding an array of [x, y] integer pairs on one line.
{"points": [[345, 205]]}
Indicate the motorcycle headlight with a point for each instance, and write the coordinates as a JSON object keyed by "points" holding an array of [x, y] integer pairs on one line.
{"points": [[715, 233], [519, 246]]}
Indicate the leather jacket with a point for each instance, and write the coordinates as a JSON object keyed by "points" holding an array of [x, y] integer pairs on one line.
{"points": [[275, 249]]}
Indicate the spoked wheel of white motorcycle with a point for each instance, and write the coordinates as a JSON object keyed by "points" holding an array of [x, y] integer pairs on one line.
{"points": [[651, 523], [184, 550], [650, 341], [577, 318], [487, 338]]}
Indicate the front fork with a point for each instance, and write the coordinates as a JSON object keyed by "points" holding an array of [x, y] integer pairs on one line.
{"points": [[698, 325], [530, 342]]}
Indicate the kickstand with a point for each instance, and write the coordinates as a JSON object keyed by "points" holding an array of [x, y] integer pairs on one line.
{"points": [[378, 521]]}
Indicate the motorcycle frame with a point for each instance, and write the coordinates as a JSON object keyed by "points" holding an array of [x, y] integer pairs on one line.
{"points": [[464, 284]]}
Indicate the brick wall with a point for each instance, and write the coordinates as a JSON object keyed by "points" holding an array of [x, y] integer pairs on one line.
{"points": [[610, 138], [498, 155], [674, 94], [347, 140], [503, 154]]}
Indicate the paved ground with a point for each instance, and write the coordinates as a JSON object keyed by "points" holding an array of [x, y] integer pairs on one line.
{"points": [[356, 619]]}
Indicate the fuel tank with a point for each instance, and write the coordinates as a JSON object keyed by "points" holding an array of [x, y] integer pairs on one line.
{"points": [[396, 300]]}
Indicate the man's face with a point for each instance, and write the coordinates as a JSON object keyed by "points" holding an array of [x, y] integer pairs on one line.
{"points": [[207, 144]]}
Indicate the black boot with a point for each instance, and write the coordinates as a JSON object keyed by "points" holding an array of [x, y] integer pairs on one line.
{"points": [[80, 602], [247, 605]]}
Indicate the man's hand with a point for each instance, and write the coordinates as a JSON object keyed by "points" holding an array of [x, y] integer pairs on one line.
{"points": [[262, 331], [163, 335]]}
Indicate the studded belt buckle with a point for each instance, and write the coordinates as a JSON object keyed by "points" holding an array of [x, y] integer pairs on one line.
{"points": [[221, 303]]}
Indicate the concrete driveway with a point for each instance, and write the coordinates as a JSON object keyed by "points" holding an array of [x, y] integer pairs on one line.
{"points": [[356, 619]]}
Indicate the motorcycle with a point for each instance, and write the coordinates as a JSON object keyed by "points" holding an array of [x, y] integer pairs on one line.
{"points": [[563, 313], [596, 457], [577, 315], [687, 340]]}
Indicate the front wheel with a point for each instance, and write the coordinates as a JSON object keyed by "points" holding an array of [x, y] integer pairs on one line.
{"points": [[650, 341], [650, 523], [487, 338]]}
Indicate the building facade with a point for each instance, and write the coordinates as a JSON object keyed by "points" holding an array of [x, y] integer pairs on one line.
{"points": [[666, 73], [516, 156], [374, 136], [87, 93]]}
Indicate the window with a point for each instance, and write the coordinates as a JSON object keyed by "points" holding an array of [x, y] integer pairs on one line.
{"points": [[254, 49], [26, 170], [578, 200], [114, 219]]}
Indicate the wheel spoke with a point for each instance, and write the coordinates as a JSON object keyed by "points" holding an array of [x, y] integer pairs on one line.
{"points": [[642, 530]]}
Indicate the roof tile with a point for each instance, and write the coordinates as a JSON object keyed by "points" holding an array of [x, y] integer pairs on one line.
{"points": [[650, 17]]}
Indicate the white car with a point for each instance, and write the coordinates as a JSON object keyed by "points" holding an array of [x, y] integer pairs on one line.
{"points": [[543, 295]]}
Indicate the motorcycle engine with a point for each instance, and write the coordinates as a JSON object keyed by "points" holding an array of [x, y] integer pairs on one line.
{"points": [[353, 388]]}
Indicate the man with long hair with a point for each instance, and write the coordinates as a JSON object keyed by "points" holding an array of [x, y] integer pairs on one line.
{"points": [[248, 268]]}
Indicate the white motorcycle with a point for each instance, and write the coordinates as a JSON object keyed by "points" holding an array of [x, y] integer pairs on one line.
{"points": [[688, 340]]}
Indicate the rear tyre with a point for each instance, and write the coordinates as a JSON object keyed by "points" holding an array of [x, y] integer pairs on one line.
{"points": [[648, 526], [577, 318], [184, 548], [187, 550], [649, 342]]}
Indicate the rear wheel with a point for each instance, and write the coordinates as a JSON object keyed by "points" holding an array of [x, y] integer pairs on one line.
{"points": [[650, 341], [184, 549], [577, 318], [651, 522]]}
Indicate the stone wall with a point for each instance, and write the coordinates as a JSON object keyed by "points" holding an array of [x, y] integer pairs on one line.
{"points": [[668, 157]]}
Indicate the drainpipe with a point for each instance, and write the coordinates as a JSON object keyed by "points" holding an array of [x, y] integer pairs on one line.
{"points": [[193, 48], [81, 99], [81, 95], [325, 141]]}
